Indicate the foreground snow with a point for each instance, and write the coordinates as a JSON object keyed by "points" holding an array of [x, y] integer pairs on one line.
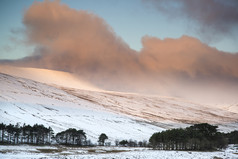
{"points": [[37, 152]]}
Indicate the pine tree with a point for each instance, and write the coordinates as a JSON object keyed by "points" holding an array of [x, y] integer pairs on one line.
{"points": [[101, 139]]}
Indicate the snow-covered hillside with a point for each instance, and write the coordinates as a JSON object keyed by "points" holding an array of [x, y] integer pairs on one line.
{"points": [[166, 112], [48, 76], [27, 101], [83, 106]]}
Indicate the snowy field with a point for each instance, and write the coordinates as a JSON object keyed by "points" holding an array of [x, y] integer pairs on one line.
{"points": [[40, 152]]}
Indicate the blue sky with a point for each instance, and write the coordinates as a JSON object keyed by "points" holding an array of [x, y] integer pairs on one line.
{"points": [[131, 20]]}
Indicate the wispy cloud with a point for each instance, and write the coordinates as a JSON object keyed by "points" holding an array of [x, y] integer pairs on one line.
{"points": [[213, 19]]}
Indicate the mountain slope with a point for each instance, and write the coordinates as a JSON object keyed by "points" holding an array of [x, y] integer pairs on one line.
{"points": [[167, 112], [119, 115], [30, 102]]}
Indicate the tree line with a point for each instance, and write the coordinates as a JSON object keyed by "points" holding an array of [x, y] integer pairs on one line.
{"points": [[199, 137], [41, 135], [26, 134]]}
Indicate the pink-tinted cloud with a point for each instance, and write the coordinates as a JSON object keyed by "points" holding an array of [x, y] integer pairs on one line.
{"points": [[187, 55], [69, 38], [83, 43], [190, 69]]}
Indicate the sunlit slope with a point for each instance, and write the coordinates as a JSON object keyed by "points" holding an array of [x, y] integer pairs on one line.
{"points": [[68, 80], [48, 76], [69, 100], [163, 111], [30, 102]]}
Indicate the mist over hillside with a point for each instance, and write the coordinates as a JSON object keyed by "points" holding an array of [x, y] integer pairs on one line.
{"points": [[83, 43]]}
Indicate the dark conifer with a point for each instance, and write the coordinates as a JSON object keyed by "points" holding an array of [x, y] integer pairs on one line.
{"points": [[101, 139]]}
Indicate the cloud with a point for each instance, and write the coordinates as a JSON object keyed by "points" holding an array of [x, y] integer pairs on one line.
{"points": [[213, 19], [187, 55], [190, 69], [75, 41], [82, 43]]}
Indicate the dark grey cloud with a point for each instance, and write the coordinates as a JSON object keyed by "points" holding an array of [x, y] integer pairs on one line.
{"points": [[213, 19]]}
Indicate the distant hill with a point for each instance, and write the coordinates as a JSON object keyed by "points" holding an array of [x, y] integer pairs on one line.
{"points": [[61, 100]]}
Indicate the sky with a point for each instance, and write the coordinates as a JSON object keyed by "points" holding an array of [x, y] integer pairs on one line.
{"points": [[130, 20]]}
